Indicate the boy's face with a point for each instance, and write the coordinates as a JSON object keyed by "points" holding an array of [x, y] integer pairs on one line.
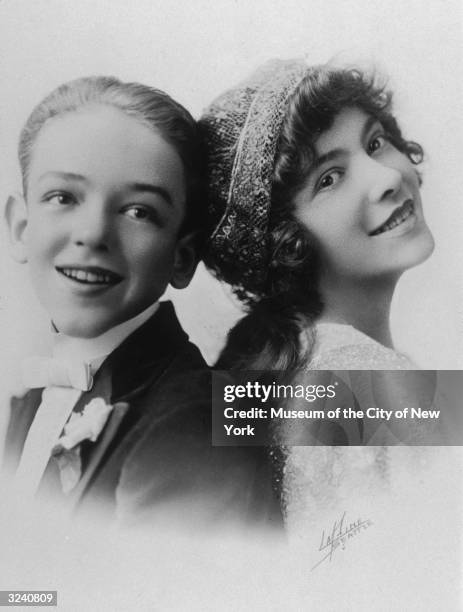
{"points": [[100, 229]]}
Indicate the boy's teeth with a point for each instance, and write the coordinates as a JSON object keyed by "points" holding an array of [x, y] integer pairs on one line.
{"points": [[87, 277]]}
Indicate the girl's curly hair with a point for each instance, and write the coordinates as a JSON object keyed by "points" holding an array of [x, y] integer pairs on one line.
{"points": [[290, 292]]}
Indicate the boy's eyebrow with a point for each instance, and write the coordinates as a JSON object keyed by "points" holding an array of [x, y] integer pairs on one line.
{"points": [[330, 155], [65, 175], [149, 187]]}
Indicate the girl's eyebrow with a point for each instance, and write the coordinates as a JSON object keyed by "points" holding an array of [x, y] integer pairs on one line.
{"points": [[338, 152], [329, 156], [369, 123]]}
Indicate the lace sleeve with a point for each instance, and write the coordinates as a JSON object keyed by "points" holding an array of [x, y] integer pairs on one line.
{"points": [[361, 357]]}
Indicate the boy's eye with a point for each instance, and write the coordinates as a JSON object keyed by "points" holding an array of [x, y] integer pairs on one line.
{"points": [[141, 213], [377, 142], [61, 197], [328, 180]]}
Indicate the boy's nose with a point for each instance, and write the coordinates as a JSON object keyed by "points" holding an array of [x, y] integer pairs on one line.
{"points": [[385, 181], [91, 228]]}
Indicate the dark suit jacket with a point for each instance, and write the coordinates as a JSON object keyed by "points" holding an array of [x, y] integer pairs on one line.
{"points": [[154, 460]]}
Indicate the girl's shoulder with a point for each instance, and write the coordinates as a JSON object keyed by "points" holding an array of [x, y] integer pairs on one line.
{"points": [[342, 347]]}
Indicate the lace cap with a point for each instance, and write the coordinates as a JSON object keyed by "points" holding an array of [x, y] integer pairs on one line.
{"points": [[241, 129]]}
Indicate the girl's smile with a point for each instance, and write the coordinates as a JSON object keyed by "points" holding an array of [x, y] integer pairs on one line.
{"points": [[401, 214]]}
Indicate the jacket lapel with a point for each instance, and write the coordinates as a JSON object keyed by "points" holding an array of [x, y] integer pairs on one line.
{"points": [[112, 426], [132, 368], [144, 355], [23, 410]]}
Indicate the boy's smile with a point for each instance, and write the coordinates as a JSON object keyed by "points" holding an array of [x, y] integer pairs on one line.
{"points": [[90, 275], [105, 203]]}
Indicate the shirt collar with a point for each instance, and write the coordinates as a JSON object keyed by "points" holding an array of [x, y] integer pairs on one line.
{"points": [[95, 350]]}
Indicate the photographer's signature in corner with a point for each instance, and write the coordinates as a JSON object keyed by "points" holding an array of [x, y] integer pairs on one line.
{"points": [[338, 536]]}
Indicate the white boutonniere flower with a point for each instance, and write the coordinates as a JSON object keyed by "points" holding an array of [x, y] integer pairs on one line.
{"points": [[86, 425]]}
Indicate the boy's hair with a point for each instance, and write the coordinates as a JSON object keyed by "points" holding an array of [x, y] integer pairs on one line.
{"points": [[278, 278], [152, 107]]}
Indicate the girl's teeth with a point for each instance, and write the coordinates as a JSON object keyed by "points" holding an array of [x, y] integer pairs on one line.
{"points": [[408, 210]]}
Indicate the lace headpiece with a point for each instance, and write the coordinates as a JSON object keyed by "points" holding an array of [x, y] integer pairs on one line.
{"points": [[241, 129]]}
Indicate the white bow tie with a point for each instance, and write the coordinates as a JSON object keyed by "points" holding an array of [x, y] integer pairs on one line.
{"points": [[48, 372]]}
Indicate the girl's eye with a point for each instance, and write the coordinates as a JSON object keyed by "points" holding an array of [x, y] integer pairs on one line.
{"points": [[330, 179], [377, 142], [61, 198]]}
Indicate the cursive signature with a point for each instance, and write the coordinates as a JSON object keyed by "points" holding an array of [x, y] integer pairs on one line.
{"points": [[338, 536]]}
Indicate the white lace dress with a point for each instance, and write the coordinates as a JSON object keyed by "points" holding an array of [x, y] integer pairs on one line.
{"points": [[342, 347], [318, 479]]}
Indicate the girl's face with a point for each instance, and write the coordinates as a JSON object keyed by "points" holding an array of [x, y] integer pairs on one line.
{"points": [[361, 203], [105, 202]]}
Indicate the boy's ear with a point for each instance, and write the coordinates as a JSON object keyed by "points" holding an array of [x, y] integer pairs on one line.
{"points": [[185, 261], [16, 220]]}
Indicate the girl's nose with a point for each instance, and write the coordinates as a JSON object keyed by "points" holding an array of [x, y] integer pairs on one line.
{"points": [[91, 227], [385, 181]]}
